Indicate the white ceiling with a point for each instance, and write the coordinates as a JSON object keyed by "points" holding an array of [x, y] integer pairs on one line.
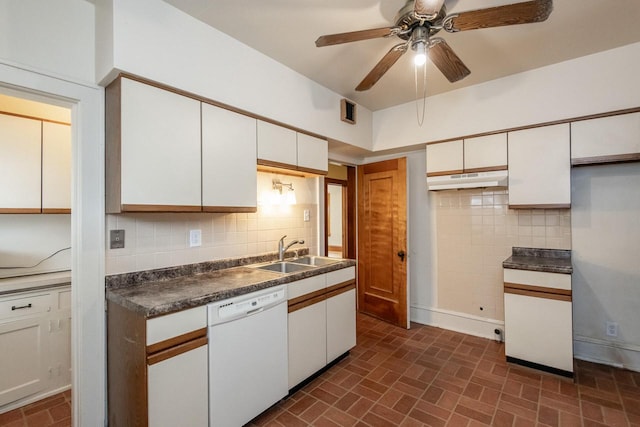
{"points": [[286, 30]]}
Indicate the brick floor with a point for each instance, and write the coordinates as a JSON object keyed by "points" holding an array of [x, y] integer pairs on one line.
{"points": [[53, 411], [427, 376]]}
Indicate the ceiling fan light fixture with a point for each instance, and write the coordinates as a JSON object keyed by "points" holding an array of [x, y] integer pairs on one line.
{"points": [[421, 54]]}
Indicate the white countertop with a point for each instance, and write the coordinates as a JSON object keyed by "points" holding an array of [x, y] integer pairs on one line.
{"points": [[34, 282]]}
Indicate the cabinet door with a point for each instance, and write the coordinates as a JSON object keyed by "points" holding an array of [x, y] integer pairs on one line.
{"points": [[539, 330], [160, 149], [540, 168], [341, 324], [229, 174], [56, 168], [307, 342], [485, 153], [23, 359], [277, 146], [20, 173], [606, 139], [445, 158], [178, 390], [313, 154]]}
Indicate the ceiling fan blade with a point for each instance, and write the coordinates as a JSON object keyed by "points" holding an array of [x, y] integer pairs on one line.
{"points": [[427, 8], [382, 67], [355, 36], [511, 14], [443, 57]]}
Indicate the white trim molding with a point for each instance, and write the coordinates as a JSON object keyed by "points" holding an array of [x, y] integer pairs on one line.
{"points": [[617, 354], [456, 321]]}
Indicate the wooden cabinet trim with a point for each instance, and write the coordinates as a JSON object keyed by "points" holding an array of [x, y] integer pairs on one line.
{"points": [[176, 350], [444, 173], [320, 295], [542, 206], [615, 158], [340, 288], [160, 208], [305, 303], [230, 209], [538, 291], [312, 171], [56, 211], [272, 164], [20, 211], [6, 113], [174, 341], [487, 169], [113, 147]]}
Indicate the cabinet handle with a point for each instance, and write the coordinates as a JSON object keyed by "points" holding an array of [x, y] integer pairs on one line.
{"points": [[20, 307]]}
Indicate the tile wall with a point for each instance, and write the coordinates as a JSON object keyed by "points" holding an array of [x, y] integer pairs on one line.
{"points": [[157, 240], [475, 232]]}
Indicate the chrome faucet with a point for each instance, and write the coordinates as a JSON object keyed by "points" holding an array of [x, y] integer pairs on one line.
{"points": [[282, 248]]}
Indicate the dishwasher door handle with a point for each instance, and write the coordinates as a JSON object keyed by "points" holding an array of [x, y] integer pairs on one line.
{"points": [[254, 311]]}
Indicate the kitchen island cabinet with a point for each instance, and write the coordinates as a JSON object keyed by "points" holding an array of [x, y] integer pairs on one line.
{"points": [[540, 168]]}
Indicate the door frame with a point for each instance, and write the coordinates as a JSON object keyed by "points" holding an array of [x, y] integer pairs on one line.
{"points": [[349, 206], [88, 350]]}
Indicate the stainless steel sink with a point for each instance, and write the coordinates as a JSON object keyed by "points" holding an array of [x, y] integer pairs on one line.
{"points": [[316, 261], [284, 267]]}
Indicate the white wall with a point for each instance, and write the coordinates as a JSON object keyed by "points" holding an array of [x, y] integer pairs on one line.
{"points": [[605, 209], [153, 39], [55, 36], [597, 83]]}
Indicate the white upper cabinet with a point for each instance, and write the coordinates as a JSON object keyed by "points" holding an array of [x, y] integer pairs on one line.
{"points": [[285, 148], [56, 168], [485, 153], [540, 168], [313, 154], [277, 145], [229, 175], [20, 164], [158, 148], [445, 158], [606, 139]]}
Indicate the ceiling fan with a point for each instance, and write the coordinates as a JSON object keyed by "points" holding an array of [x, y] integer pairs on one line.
{"points": [[418, 20]]}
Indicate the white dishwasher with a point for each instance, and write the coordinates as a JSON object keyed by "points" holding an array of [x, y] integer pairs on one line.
{"points": [[247, 355]]}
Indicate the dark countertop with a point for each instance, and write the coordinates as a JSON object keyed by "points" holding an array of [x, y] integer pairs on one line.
{"points": [[168, 291], [548, 260]]}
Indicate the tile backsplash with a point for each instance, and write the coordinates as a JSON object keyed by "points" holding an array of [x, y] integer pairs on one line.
{"points": [[475, 232], [157, 240]]}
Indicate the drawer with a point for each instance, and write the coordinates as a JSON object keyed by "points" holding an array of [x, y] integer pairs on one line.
{"points": [[306, 286], [23, 305], [176, 324], [340, 276], [538, 278]]}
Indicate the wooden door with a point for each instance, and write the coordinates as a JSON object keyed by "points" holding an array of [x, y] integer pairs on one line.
{"points": [[382, 240]]}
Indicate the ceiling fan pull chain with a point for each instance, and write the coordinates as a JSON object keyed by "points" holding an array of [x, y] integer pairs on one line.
{"points": [[424, 92]]}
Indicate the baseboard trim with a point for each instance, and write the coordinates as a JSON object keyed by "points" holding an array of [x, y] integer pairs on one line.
{"points": [[456, 321], [619, 355], [32, 399]]}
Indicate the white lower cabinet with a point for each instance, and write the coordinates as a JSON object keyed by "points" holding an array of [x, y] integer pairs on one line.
{"points": [[321, 322], [341, 324], [178, 390], [35, 343], [307, 342]]}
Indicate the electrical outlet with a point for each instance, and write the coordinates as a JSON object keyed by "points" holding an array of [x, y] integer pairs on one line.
{"points": [[612, 329], [307, 215], [195, 238], [116, 239]]}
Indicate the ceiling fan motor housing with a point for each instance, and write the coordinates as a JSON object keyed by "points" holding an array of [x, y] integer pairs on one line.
{"points": [[408, 21]]}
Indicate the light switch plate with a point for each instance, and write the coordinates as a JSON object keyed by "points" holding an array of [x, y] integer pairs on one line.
{"points": [[195, 238], [307, 215], [116, 239]]}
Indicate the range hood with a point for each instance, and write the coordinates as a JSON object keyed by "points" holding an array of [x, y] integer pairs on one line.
{"points": [[468, 180]]}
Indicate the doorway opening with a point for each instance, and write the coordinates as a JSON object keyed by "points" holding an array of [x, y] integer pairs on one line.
{"points": [[340, 211], [35, 251]]}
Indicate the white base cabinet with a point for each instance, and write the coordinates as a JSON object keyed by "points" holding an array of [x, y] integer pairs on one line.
{"points": [[321, 322], [35, 338]]}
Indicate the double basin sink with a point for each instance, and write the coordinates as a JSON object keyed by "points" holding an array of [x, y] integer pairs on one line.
{"points": [[295, 265]]}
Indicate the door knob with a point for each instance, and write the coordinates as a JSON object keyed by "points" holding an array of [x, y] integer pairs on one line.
{"points": [[401, 254]]}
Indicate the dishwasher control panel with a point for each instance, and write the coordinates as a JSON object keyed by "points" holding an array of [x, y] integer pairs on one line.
{"points": [[245, 305]]}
